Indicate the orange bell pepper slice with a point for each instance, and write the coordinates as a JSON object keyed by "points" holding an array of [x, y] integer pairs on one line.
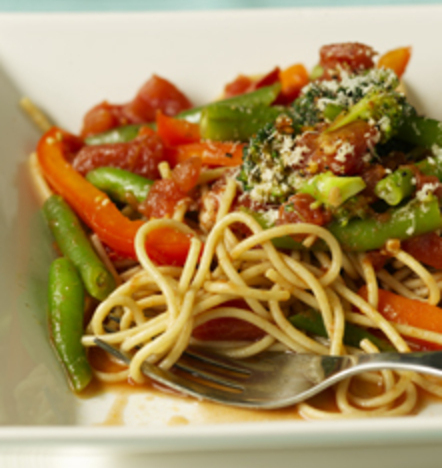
{"points": [[212, 153], [396, 60], [412, 312], [96, 209]]}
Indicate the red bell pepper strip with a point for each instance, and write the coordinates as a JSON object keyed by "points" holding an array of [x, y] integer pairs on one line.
{"points": [[96, 209], [176, 131], [212, 153]]}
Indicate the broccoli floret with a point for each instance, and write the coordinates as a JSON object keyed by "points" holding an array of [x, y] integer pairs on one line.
{"points": [[265, 173], [384, 109], [321, 101]]}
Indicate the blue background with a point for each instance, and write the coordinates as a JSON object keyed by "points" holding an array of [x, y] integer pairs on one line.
{"points": [[164, 5]]}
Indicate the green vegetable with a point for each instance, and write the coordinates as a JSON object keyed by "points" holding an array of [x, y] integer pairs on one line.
{"points": [[386, 109], [401, 184], [74, 244], [121, 134], [120, 185], [396, 186], [66, 309], [318, 98], [332, 190], [311, 321], [235, 123], [362, 235], [421, 131], [411, 220]]}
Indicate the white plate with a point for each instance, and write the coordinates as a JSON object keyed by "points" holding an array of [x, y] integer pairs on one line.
{"points": [[67, 63]]}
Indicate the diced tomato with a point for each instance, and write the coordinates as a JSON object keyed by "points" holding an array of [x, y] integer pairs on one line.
{"points": [[162, 199], [355, 138], [165, 194], [141, 156], [350, 55], [396, 60], [156, 94], [186, 174], [426, 248], [300, 209], [102, 117], [227, 329], [240, 85], [176, 131]]}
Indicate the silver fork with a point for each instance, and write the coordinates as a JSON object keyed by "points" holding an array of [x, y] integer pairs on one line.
{"points": [[274, 379]]}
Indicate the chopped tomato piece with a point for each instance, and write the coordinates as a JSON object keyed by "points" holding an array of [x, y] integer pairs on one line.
{"points": [[186, 174], [396, 60], [175, 131], [165, 194], [240, 85], [300, 208], [156, 94], [426, 248], [350, 55], [102, 117], [140, 156]]}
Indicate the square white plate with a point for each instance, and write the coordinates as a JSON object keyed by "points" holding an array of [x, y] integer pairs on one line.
{"points": [[68, 62]]}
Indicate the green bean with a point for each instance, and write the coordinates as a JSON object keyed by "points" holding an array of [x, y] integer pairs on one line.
{"points": [[362, 235], [66, 310], [121, 134], [120, 185], [235, 123], [421, 131], [311, 321], [396, 186], [75, 245], [402, 223]]}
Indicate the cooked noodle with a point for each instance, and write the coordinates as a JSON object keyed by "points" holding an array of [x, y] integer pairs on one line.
{"points": [[161, 306]]}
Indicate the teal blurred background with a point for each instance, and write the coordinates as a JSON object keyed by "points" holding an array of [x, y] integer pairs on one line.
{"points": [[165, 5]]}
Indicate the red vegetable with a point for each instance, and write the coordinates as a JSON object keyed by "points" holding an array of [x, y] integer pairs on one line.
{"points": [[396, 60], [426, 248], [156, 94], [212, 153], [97, 210], [399, 309], [176, 131]]}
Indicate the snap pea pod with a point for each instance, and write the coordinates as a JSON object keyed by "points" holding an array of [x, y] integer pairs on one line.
{"points": [[362, 235], [261, 97], [74, 244], [401, 184], [413, 219], [121, 134], [66, 309], [119, 184], [311, 321], [226, 122]]}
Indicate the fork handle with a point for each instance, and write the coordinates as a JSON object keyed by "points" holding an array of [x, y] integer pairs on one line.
{"points": [[424, 362]]}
